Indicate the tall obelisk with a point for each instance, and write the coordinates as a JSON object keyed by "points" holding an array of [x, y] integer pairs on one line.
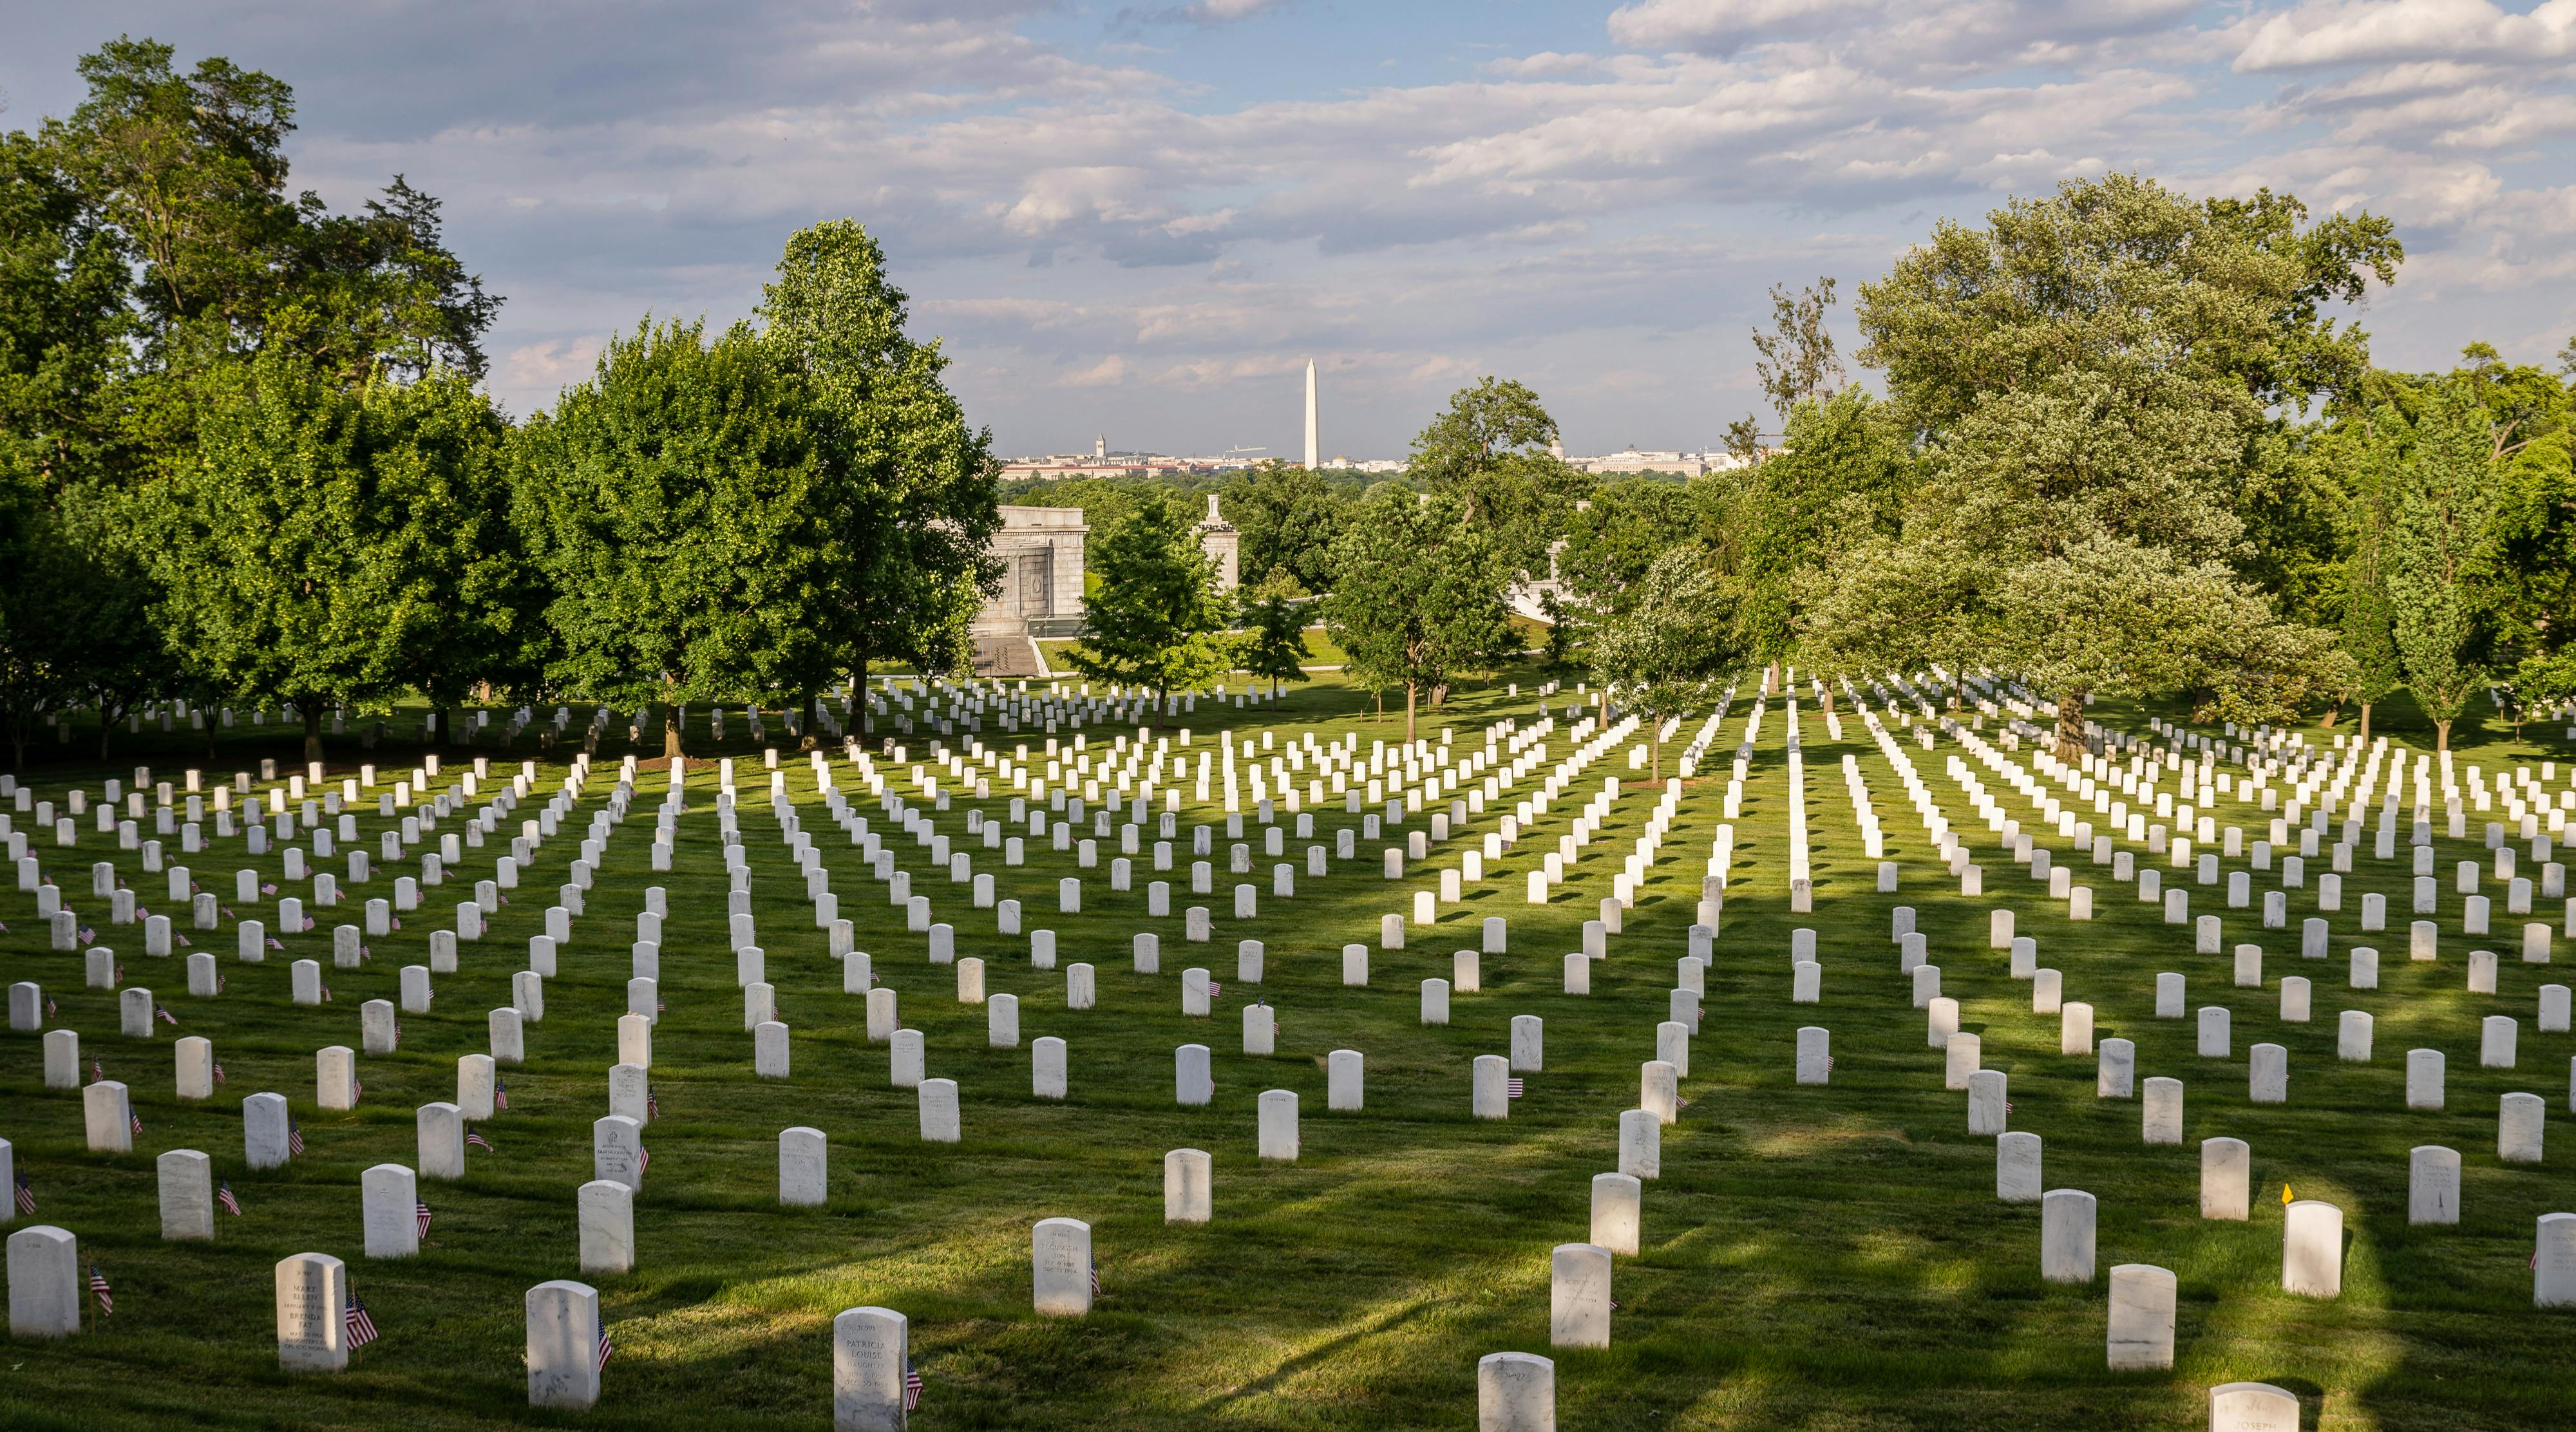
{"points": [[1311, 454]]}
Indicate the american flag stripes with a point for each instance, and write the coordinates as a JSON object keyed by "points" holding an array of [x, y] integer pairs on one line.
{"points": [[1095, 1279], [219, 1073], [224, 1196], [326, 994], [500, 1095], [357, 1091], [164, 1016], [97, 1071], [605, 1347], [643, 1161], [911, 1387], [652, 1104], [420, 1215], [98, 1289], [26, 1196], [1215, 989], [51, 1009], [120, 974], [294, 1137], [362, 1329], [478, 1141], [134, 1119]]}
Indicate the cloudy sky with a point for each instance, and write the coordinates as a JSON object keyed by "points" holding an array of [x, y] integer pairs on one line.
{"points": [[1143, 219]]}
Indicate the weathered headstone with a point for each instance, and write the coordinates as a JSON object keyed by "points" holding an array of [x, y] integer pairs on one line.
{"points": [[564, 1357], [1060, 1263], [312, 1313]]}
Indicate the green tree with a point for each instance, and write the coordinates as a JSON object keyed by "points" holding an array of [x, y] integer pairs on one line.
{"points": [[685, 506], [185, 175], [1665, 653], [1154, 619], [1797, 363], [73, 624], [302, 553], [1274, 646], [922, 506], [1842, 476], [1492, 453], [2439, 523], [2369, 634], [2089, 372], [2547, 679], [1610, 543], [1289, 517], [1418, 597]]}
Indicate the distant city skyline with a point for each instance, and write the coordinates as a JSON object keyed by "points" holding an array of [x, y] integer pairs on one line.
{"points": [[1147, 219]]}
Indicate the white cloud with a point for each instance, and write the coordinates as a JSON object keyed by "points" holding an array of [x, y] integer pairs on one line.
{"points": [[2340, 32], [1098, 228]]}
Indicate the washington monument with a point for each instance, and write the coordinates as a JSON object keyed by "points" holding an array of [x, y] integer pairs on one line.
{"points": [[1311, 454]]}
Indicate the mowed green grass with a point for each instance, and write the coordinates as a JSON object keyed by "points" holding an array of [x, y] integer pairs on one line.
{"points": [[1828, 1258]]}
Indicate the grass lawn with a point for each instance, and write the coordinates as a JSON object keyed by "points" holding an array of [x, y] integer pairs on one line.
{"points": [[1820, 1258]]}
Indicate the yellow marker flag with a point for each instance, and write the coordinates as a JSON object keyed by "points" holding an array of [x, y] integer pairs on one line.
{"points": [[2285, 1193]]}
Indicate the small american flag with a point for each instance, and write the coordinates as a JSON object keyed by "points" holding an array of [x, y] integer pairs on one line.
{"points": [[500, 1095], [652, 1104], [643, 1160], [357, 1091], [1511, 1088], [224, 1196], [420, 1214], [1095, 1279], [51, 1009], [26, 1195], [604, 1349], [294, 1137], [478, 1141], [275, 943], [1614, 1305], [911, 1387], [120, 974], [1829, 1063], [219, 1073], [87, 934], [164, 1016], [184, 942], [362, 1329], [1215, 989], [134, 1119], [326, 994], [98, 1289], [97, 1071], [2008, 1106], [267, 889]]}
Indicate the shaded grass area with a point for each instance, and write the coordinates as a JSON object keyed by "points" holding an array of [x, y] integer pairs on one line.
{"points": [[1814, 1258]]}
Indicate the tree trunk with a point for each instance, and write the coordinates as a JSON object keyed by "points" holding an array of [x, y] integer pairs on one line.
{"points": [[2331, 713], [1829, 698], [312, 733], [670, 725], [1655, 743], [440, 733], [2070, 726], [105, 727], [1410, 693], [2441, 735], [2364, 735]]}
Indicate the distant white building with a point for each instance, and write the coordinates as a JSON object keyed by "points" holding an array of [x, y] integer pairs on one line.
{"points": [[1635, 460]]}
